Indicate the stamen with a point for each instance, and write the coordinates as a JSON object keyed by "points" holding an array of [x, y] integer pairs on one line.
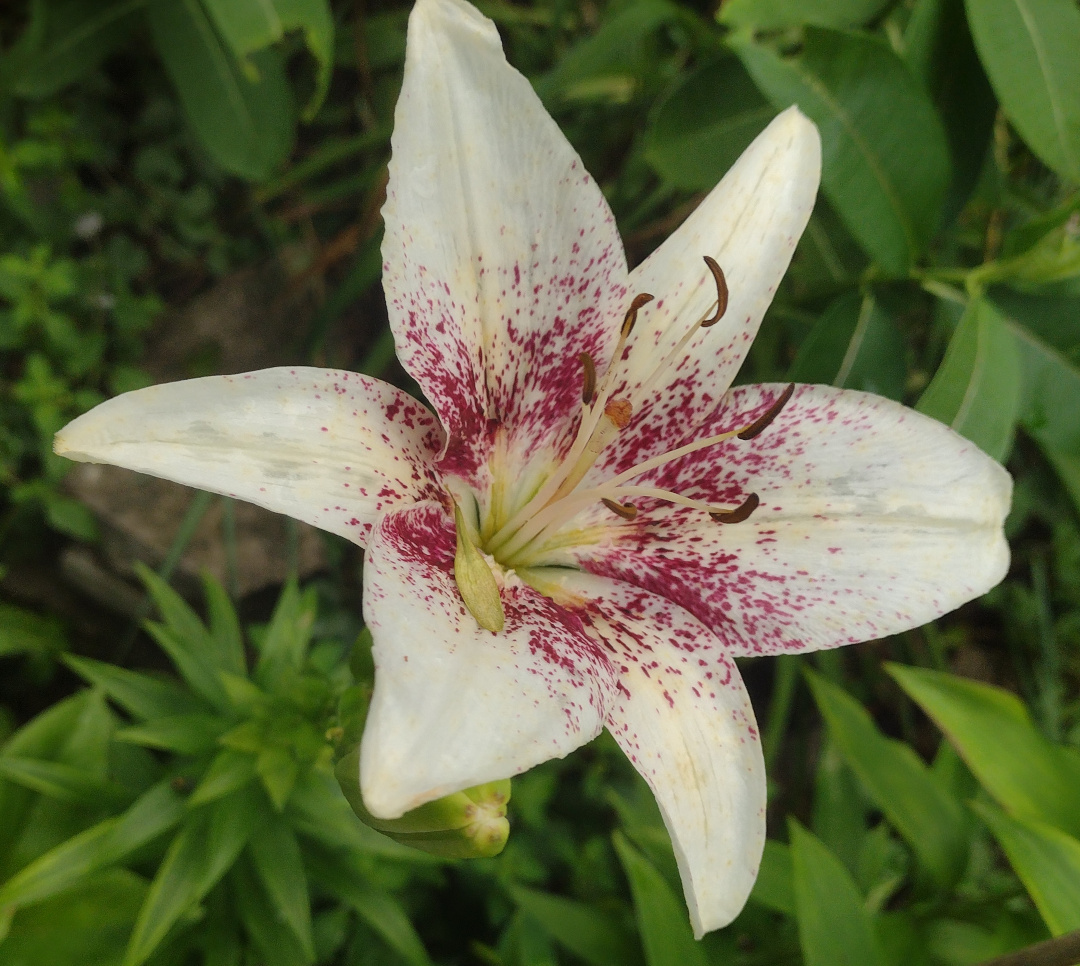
{"points": [[721, 293], [749, 505], [631, 313], [759, 425], [626, 510], [619, 412], [588, 388]]}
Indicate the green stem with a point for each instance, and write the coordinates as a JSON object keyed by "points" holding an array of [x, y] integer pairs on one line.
{"points": [[1062, 951]]}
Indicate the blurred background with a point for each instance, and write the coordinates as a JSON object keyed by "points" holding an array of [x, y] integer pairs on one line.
{"points": [[191, 187]]}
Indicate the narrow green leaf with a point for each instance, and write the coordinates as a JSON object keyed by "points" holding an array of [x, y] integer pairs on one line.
{"points": [[193, 663], [991, 729], [228, 640], [773, 14], [885, 162], [275, 942], [246, 124], [229, 771], [977, 388], [185, 734], [24, 632], [1029, 49], [278, 769], [106, 843], [275, 856], [662, 919], [141, 695], [286, 639], [60, 781], [202, 852], [901, 785], [1047, 861], [854, 345], [699, 130], [594, 936], [834, 926]]}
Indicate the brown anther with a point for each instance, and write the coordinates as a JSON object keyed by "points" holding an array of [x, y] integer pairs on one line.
{"points": [[619, 412], [759, 425], [626, 510], [721, 292], [740, 513], [631, 313], [588, 386]]}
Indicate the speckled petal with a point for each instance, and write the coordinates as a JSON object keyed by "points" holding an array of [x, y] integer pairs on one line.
{"points": [[334, 449], [502, 262], [684, 719], [873, 519], [750, 223], [456, 705]]}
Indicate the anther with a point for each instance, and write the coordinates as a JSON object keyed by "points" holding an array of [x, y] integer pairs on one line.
{"points": [[759, 425], [626, 510], [721, 292], [631, 313], [619, 412], [588, 387], [740, 513]]}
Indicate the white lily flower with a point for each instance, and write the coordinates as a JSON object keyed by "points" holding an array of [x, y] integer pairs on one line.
{"points": [[637, 541]]}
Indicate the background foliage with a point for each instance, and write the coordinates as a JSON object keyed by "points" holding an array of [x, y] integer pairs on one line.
{"points": [[168, 798]]}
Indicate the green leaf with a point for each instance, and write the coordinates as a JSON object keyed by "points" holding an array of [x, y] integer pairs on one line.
{"points": [[900, 784], [774, 887], [1026, 773], [202, 852], [286, 639], [141, 695], [59, 780], [834, 926], [1047, 862], [228, 640], [261, 919], [977, 388], [275, 856], [855, 345], [885, 162], [24, 632], [229, 771], [595, 936], [338, 872], [71, 39], [1029, 49], [661, 916], [699, 130], [249, 27], [773, 14], [185, 734], [278, 769], [106, 843], [246, 125], [86, 926]]}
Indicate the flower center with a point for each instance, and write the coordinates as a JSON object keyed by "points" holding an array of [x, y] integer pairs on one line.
{"points": [[530, 533]]}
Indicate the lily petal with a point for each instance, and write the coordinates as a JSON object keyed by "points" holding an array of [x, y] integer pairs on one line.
{"points": [[334, 449], [684, 719], [750, 223], [873, 519], [456, 705], [502, 262]]}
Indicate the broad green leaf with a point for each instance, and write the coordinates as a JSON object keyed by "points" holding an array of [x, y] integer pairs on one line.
{"points": [[900, 784], [854, 345], [977, 388], [246, 125], [185, 734], [85, 926], [774, 887], [275, 857], [589, 933], [71, 40], [834, 927], [1047, 861], [1026, 773], [885, 162], [699, 130], [772, 14], [249, 27], [200, 854], [109, 842], [141, 695], [662, 919], [337, 871], [1029, 49]]}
